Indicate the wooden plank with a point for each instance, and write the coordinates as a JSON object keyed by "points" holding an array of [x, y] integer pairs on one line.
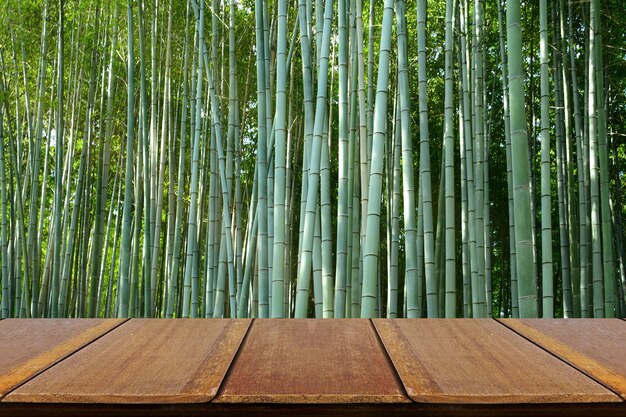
{"points": [[480, 362], [595, 346], [311, 361], [27, 347], [143, 361]]}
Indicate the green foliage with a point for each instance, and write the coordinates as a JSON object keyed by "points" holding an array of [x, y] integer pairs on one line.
{"points": [[89, 27]]}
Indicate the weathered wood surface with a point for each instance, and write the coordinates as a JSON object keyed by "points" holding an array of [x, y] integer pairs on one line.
{"points": [[480, 361], [143, 361], [312, 361], [313, 367], [594, 346], [28, 347]]}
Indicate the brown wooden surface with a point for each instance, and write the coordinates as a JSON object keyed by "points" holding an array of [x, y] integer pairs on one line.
{"points": [[594, 346], [28, 347], [311, 361], [143, 361], [480, 361]]}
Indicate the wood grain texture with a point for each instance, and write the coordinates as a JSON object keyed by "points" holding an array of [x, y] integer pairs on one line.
{"points": [[311, 361], [595, 346], [27, 347], [143, 361], [480, 362]]}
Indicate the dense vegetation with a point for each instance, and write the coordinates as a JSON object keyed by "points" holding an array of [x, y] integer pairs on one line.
{"points": [[312, 158]]}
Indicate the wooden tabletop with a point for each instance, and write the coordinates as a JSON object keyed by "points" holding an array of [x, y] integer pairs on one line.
{"points": [[143, 361], [597, 348], [29, 347], [310, 367], [480, 361], [312, 361]]}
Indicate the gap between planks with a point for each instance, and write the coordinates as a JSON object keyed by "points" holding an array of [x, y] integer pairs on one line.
{"points": [[64, 357], [390, 364], [562, 359]]}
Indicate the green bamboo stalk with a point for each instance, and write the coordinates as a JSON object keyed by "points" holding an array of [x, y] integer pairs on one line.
{"points": [[108, 312], [278, 260], [234, 141], [3, 233], [465, 257], [58, 233], [43, 294], [243, 302], [307, 87], [586, 284], [206, 274], [66, 271], [136, 267], [465, 267], [318, 296], [450, 236], [304, 271], [469, 159], [355, 275], [363, 121], [509, 165], [151, 152], [117, 183], [227, 230], [33, 245], [487, 205], [161, 281], [563, 226], [425, 172], [262, 259], [596, 237], [519, 150], [155, 234], [394, 214], [75, 81], [268, 36], [546, 204], [420, 250], [21, 285], [144, 186], [370, 93], [318, 29], [290, 180], [124, 282], [486, 128], [440, 241], [369, 296], [26, 93], [407, 164], [582, 195], [103, 174], [342, 202], [325, 224], [572, 201], [213, 235], [235, 149], [603, 156], [352, 163], [479, 150], [192, 238], [180, 184]]}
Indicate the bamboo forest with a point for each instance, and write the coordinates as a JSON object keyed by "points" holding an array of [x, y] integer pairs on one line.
{"points": [[312, 158]]}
